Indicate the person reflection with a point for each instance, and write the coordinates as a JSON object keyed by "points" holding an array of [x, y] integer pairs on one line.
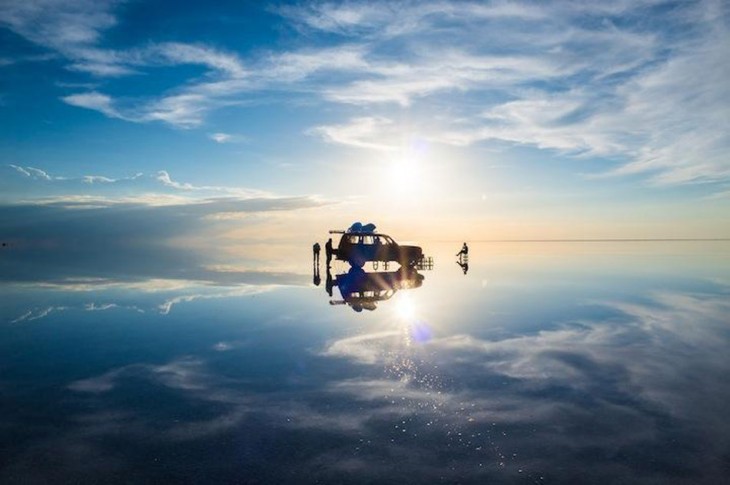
{"points": [[316, 278], [464, 266], [328, 283]]}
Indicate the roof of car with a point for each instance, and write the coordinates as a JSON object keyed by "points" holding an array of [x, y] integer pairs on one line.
{"points": [[359, 233]]}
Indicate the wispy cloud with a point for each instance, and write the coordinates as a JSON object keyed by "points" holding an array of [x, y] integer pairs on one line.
{"points": [[227, 138], [33, 173], [642, 84], [155, 189], [95, 101], [367, 132], [37, 314], [72, 28], [649, 94]]}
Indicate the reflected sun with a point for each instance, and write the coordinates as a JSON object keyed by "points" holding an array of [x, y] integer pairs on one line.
{"points": [[405, 308]]}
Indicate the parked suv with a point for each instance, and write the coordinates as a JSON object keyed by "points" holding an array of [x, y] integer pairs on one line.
{"points": [[357, 248]]}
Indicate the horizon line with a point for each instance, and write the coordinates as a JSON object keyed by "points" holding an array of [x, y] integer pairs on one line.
{"points": [[719, 239]]}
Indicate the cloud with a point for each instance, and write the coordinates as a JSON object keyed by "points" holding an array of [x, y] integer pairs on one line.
{"points": [[393, 19], [128, 241], [71, 28], [366, 132], [127, 228], [367, 349], [611, 388], [647, 373], [167, 306], [650, 96], [153, 189], [181, 53], [31, 172], [74, 29], [639, 84], [227, 138], [37, 314], [94, 101]]}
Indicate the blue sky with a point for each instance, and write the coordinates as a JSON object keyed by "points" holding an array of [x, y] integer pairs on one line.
{"points": [[489, 119]]}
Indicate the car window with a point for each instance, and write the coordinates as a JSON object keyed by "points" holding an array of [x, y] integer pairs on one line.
{"points": [[368, 240], [353, 239]]}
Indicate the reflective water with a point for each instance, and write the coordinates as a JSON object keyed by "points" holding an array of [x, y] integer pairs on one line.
{"points": [[544, 363]]}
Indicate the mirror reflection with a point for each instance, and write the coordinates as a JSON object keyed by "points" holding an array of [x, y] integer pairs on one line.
{"points": [[359, 245]]}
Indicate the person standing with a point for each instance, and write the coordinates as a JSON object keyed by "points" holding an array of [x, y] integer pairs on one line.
{"points": [[315, 250], [328, 251]]}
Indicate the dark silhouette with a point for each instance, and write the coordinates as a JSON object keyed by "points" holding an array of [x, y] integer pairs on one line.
{"points": [[328, 283], [328, 251], [316, 279], [463, 260], [357, 248], [362, 290]]}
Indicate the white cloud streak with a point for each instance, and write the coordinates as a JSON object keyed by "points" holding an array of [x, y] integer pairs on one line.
{"points": [[223, 138], [153, 189], [94, 101], [366, 132]]}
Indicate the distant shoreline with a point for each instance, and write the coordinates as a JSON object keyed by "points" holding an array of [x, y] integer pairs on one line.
{"points": [[591, 240]]}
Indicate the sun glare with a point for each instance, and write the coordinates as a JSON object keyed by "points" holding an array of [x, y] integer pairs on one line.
{"points": [[405, 169], [407, 176], [405, 309]]}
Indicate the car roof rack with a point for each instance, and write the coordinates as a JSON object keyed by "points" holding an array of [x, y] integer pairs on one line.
{"points": [[340, 231]]}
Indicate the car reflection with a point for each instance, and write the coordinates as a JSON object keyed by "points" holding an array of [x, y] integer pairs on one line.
{"points": [[362, 290]]}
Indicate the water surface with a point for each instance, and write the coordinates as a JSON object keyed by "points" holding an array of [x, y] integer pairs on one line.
{"points": [[544, 363]]}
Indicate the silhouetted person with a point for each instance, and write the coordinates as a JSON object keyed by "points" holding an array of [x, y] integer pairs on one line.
{"points": [[464, 250], [315, 250], [464, 266], [328, 251]]}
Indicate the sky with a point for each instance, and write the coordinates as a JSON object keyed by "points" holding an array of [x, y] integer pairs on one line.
{"points": [[203, 123]]}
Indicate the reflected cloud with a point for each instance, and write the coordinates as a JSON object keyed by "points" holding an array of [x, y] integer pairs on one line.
{"points": [[625, 389], [192, 291], [166, 306], [95, 241], [31, 315], [612, 384]]}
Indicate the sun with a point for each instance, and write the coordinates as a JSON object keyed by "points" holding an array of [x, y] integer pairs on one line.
{"points": [[407, 176], [405, 168]]}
